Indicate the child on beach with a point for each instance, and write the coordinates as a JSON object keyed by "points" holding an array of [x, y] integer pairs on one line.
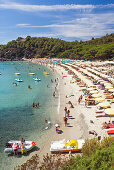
{"points": [[65, 121]]}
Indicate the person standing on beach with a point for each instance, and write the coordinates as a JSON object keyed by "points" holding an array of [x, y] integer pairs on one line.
{"points": [[85, 102], [79, 100], [65, 109], [68, 113], [54, 94], [65, 121]]}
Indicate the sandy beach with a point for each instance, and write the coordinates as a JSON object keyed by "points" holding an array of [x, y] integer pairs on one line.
{"points": [[82, 118]]}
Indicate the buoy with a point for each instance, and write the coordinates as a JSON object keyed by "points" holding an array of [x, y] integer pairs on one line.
{"points": [[33, 143]]}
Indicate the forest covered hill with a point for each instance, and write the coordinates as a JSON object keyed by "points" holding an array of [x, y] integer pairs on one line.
{"points": [[40, 47]]}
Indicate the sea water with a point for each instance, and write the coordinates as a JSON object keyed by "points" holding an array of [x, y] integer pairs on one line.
{"points": [[17, 116]]}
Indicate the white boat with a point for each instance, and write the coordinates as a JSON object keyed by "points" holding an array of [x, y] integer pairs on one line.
{"points": [[19, 80], [10, 146], [66, 146], [36, 79], [31, 73]]}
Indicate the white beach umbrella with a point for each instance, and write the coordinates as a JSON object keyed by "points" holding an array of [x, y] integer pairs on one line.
{"points": [[104, 105], [94, 92], [108, 87], [91, 88], [109, 111], [111, 90], [99, 99], [96, 95]]}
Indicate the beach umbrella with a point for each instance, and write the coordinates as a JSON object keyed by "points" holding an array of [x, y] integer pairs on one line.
{"points": [[111, 90], [107, 84], [104, 105], [99, 99], [108, 87], [96, 95], [109, 111], [93, 91]]}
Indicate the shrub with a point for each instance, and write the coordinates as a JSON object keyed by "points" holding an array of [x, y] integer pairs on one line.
{"points": [[90, 146]]}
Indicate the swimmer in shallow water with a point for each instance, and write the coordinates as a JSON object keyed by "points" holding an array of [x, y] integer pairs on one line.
{"points": [[29, 87]]}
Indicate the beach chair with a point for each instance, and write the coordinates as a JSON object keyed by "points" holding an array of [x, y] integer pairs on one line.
{"points": [[110, 132], [101, 115]]}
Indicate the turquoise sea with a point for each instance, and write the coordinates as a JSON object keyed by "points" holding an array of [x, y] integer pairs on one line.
{"points": [[17, 116]]}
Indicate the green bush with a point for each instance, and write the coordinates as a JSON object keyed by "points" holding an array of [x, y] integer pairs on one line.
{"points": [[90, 146]]}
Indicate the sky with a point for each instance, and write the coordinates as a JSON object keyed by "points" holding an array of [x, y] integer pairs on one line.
{"points": [[69, 20]]}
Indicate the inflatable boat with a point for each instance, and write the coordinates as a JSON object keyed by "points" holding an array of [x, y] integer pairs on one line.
{"points": [[19, 80], [10, 146], [66, 146]]}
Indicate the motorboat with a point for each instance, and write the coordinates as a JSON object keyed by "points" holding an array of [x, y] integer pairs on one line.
{"points": [[31, 73], [46, 73], [36, 79], [19, 80], [10, 146], [17, 73], [66, 146]]}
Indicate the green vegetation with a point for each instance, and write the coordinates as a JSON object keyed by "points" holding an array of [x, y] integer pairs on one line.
{"points": [[95, 155], [30, 47]]}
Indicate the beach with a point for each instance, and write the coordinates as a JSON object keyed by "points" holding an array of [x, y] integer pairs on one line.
{"points": [[82, 119]]}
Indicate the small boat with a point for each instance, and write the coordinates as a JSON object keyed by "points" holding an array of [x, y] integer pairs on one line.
{"points": [[66, 146], [31, 73], [46, 73], [10, 146], [36, 79], [19, 80], [17, 73]]}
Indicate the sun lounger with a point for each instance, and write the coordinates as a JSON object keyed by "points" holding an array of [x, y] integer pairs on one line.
{"points": [[100, 111], [110, 132], [101, 115], [110, 126], [109, 97]]}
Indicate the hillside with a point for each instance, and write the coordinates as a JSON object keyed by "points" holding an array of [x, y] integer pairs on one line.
{"points": [[35, 47]]}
